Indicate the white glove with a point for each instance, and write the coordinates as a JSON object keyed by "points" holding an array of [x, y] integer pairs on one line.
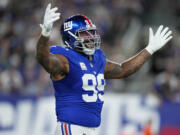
{"points": [[158, 40], [49, 18]]}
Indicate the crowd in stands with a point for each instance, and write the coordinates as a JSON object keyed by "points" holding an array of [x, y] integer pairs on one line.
{"points": [[123, 26]]}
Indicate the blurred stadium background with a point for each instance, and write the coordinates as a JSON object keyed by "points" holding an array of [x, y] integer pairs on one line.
{"points": [[147, 103]]}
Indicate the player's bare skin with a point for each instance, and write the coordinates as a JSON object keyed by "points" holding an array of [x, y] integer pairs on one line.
{"points": [[116, 71], [56, 65]]}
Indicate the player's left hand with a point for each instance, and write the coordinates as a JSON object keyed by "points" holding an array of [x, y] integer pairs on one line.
{"points": [[158, 40]]}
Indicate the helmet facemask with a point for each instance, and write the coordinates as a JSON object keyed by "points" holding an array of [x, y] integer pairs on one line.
{"points": [[86, 40]]}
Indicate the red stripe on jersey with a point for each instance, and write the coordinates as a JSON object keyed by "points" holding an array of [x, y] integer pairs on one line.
{"points": [[87, 20], [66, 130]]}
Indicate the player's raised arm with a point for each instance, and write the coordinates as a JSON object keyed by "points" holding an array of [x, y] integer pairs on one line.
{"points": [[53, 64], [115, 71]]}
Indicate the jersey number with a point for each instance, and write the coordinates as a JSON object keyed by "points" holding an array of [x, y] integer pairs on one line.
{"points": [[94, 83]]}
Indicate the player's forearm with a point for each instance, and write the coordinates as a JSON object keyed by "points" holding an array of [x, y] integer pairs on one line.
{"points": [[125, 69], [42, 54], [133, 64]]}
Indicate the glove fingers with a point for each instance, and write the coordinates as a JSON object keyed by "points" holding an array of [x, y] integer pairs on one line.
{"points": [[167, 34], [164, 31], [169, 38], [159, 30], [54, 15], [150, 34], [48, 8], [53, 19], [51, 16], [53, 10], [41, 26]]}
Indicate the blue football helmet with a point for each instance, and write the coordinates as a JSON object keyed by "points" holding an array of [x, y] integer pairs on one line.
{"points": [[79, 33]]}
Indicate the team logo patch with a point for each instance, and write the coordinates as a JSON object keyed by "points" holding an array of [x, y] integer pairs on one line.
{"points": [[83, 66]]}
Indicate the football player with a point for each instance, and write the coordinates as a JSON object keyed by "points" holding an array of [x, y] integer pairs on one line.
{"points": [[78, 72]]}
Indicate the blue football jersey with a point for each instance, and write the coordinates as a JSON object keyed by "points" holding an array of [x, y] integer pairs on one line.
{"points": [[79, 96]]}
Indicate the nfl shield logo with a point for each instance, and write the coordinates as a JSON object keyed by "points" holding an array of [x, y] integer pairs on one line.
{"points": [[83, 66]]}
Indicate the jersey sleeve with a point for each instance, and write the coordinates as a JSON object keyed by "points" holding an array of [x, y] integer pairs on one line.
{"points": [[56, 49], [102, 57], [62, 51]]}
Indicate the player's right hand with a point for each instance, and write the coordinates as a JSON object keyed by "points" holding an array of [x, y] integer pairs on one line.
{"points": [[49, 18]]}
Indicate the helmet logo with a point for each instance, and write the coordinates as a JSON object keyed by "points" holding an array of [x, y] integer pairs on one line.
{"points": [[67, 26]]}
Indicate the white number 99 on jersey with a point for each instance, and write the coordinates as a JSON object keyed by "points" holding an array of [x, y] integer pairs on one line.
{"points": [[96, 86]]}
